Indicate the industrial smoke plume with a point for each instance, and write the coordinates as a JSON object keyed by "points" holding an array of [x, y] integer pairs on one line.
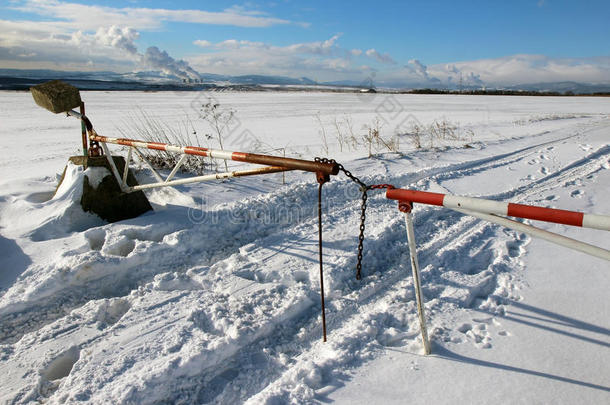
{"points": [[153, 58]]}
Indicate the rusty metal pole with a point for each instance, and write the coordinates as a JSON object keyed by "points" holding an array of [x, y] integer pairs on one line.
{"points": [[322, 178], [267, 160], [284, 173], [83, 129]]}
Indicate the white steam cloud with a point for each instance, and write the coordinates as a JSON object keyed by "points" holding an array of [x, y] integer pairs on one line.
{"points": [[154, 58], [419, 68], [157, 59]]}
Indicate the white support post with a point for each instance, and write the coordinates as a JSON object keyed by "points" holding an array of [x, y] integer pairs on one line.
{"points": [[175, 169], [147, 163], [416, 281], [126, 169], [115, 172]]}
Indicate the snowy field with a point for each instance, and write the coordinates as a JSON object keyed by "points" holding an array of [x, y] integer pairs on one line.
{"points": [[214, 296]]}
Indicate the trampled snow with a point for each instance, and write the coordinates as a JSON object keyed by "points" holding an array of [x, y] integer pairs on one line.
{"points": [[214, 296]]}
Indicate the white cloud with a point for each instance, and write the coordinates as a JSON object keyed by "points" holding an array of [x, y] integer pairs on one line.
{"points": [[26, 44], [32, 44], [356, 52], [86, 17], [383, 58], [522, 69], [321, 60], [317, 48], [202, 43], [117, 37]]}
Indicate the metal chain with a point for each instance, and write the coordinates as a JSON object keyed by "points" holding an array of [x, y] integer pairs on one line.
{"points": [[363, 188]]}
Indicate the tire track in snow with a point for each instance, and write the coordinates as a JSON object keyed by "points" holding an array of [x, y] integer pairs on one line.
{"points": [[85, 274], [470, 230], [359, 305]]}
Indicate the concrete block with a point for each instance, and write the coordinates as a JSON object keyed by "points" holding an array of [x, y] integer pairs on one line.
{"points": [[56, 96]]}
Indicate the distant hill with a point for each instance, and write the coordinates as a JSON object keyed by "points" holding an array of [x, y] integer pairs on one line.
{"points": [[564, 87], [15, 79]]}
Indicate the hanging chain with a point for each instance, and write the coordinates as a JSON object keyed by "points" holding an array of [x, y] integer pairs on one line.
{"points": [[363, 188]]}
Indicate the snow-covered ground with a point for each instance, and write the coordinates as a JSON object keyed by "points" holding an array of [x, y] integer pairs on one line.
{"points": [[214, 296]]}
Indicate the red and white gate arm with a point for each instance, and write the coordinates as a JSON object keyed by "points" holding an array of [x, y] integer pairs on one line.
{"points": [[502, 208], [492, 210], [287, 163]]}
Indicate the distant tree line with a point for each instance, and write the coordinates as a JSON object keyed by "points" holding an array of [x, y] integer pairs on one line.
{"points": [[505, 92]]}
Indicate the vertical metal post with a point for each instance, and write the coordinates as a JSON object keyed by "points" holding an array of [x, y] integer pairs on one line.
{"points": [[284, 173], [126, 168], [406, 208], [322, 178], [83, 129]]}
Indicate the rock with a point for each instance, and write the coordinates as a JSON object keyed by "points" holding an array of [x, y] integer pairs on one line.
{"points": [[107, 200], [56, 96]]}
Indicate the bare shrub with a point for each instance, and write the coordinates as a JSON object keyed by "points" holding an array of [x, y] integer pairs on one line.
{"points": [[322, 133], [415, 135], [339, 134], [220, 119], [373, 138], [351, 138], [142, 125]]}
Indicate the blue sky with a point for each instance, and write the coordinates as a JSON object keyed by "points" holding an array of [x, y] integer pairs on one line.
{"points": [[419, 41]]}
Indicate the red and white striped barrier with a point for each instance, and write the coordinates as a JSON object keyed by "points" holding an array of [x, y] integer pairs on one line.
{"points": [[494, 211], [288, 163], [502, 208]]}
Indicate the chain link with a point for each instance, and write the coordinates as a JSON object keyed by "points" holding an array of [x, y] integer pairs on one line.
{"points": [[363, 188]]}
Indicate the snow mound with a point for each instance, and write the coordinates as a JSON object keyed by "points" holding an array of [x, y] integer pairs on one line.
{"points": [[63, 214]]}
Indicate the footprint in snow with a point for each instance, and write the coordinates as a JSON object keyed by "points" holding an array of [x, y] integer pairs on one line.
{"points": [[123, 246], [477, 333], [57, 369], [96, 238], [577, 193], [544, 170]]}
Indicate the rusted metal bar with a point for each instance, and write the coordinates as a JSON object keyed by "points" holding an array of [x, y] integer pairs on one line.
{"points": [[267, 160], [83, 130], [321, 178]]}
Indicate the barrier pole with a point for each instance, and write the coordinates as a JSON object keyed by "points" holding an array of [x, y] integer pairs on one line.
{"points": [[83, 130], [126, 168], [209, 177], [419, 298], [540, 233], [554, 215], [267, 160]]}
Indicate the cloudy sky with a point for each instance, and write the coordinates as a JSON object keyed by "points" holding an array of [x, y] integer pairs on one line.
{"points": [[423, 42]]}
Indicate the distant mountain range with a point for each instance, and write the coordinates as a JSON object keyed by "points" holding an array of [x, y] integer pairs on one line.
{"points": [[15, 79]]}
